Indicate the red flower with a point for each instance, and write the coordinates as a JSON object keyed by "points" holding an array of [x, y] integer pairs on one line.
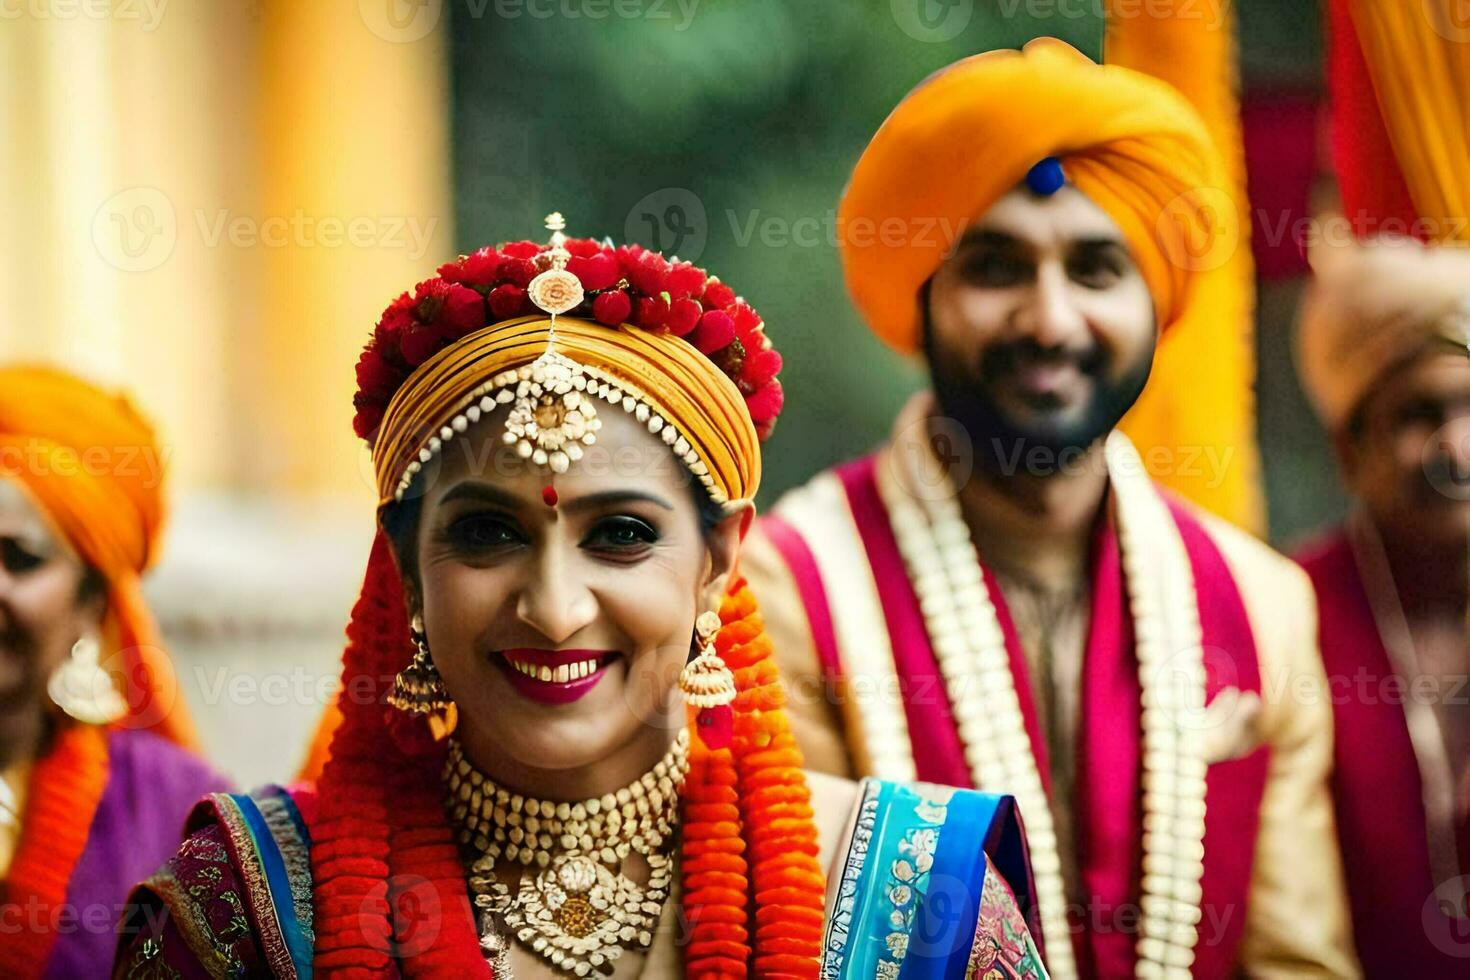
{"points": [[684, 314], [476, 269], [463, 311], [419, 343], [375, 378], [685, 280], [367, 418], [595, 271], [652, 313], [760, 368], [397, 318], [717, 295], [448, 308], [583, 247], [517, 271], [746, 321], [506, 301], [715, 331], [612, 307], [520, 250], [628, 257], [625, 284], [766, 404], [651, 274]]}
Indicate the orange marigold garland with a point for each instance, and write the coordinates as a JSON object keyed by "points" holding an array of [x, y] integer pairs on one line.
{"points": [[749, 834], [66, 786]]}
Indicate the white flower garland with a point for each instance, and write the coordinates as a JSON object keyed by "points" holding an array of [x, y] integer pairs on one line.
{"points": [[969, 645]]}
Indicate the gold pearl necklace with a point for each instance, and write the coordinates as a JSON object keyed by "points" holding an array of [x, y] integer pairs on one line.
{"points": [[573, 905], [969, 645]]}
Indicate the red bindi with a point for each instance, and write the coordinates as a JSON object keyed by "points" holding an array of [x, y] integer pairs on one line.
{"points": [[548, 494]]}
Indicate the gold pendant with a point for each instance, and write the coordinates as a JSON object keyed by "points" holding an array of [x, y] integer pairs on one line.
{"points": [[580, 915]]}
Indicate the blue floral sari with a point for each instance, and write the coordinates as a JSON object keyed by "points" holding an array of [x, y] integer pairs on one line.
{"points": [[936, 883]]}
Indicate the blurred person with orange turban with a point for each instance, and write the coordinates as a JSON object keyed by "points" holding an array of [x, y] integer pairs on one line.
{"points": [[1384, 355], [97, 771], [1001, 597]]}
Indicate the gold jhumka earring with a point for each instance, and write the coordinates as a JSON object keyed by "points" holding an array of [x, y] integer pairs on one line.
{"points": [[709, 685], [419, 690]]}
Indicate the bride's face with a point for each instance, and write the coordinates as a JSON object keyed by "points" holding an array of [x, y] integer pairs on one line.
{"points": [[560, 631]]}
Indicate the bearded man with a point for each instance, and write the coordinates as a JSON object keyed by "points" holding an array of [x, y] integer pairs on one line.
{"points": [[1001, 597]]}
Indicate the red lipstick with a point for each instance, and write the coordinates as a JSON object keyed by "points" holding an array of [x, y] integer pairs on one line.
{"points": [[554, 677]]}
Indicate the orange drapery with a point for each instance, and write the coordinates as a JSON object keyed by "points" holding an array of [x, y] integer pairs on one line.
{"points": [[1195, 423], [1418, 57]]}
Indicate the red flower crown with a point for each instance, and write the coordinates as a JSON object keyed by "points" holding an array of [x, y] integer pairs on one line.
{"points": [[625, 284]]}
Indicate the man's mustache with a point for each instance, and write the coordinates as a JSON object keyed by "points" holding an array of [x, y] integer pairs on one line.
{"points": [[1005, 359]]}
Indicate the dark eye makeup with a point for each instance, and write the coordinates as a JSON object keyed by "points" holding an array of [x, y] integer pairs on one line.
{"points": [[621, 535], [17, 559], [482, 532], [485, 533]]}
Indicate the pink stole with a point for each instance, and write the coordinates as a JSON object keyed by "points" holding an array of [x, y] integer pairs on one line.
{"points": [[1108, 799], [1377, 789]]}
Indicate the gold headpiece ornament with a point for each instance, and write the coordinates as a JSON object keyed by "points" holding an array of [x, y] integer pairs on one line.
{"points": [[669, 345], [552, 418]]}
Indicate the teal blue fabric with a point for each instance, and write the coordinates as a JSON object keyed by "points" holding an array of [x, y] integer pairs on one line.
{"points": [[944, 928], [908, 897]]}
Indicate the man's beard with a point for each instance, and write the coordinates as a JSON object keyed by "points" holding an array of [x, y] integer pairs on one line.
{"points": [[1001, 441]]}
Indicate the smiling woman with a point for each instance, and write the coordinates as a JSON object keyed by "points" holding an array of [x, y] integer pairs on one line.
{"points": [[561, 630], [563, 749]]}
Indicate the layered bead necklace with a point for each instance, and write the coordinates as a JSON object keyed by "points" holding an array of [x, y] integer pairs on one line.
{"points": [[969, 645], [573, 906]]}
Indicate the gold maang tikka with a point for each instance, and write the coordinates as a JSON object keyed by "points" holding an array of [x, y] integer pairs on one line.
{"points": [[552, 417], [553, 400]]}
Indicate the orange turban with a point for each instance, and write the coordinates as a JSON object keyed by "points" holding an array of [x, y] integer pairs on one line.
{"points": [[92, 464], [968, 135]]}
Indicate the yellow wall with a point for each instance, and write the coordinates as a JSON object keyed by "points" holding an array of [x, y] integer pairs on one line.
{"points": [[210, 202]]}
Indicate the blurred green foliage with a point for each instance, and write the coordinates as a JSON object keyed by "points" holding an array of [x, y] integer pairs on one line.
{"points": [[723, 131]]}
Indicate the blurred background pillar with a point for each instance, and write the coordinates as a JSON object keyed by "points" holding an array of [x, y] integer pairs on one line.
{"points": [[352, 115]]}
